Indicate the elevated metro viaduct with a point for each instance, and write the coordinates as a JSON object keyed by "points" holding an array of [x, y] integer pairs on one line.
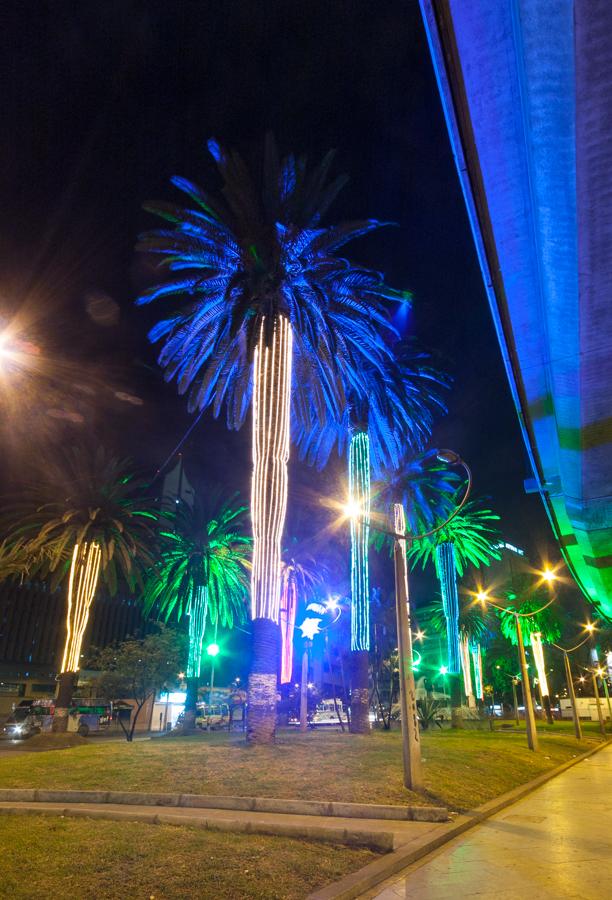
{"points": [[526, 87]]}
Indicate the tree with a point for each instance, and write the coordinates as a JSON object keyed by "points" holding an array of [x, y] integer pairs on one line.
{"points": [[382, 426], [272, 317], [298, 579], [468, 539], [137, 669], [475, 626], [202, 571], [91, 520]]}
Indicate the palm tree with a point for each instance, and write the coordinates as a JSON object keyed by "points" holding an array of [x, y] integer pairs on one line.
{"points": [[468, 539], [270, 315], [394, 417], [89, 521], [299, 577], [542, 628], [202, 571], [474, 629]]}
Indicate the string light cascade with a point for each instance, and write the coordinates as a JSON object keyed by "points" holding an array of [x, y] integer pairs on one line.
{"points": [[359, 499], [477, 663], [465, 665], [538, 657], [271, 408], [447, 576], [198, 611], [82, 583]]}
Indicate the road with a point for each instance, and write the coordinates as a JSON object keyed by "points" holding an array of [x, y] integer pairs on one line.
{"points": [[556, 843]]}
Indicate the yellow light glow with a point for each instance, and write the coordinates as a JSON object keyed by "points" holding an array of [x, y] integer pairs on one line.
{"points": [[599, 672], [483, 596], [82, 583], [581, 679], [352, 510], [590, 627], [420, 635], [548, 575], [271, 419]]}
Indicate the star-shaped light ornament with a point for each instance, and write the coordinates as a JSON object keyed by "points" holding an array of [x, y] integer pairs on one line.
{"points": [[310, 627]]}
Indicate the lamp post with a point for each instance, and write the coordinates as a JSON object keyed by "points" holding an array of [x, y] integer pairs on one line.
{"points": [[602, 724], [411, 739], [213, 652], [304, 687]]}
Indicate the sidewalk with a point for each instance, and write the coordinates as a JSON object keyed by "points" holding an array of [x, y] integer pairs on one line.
{"points": [[553, 844]]}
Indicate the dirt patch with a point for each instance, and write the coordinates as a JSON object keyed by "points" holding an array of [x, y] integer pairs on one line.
{"points": [[55, 742]]}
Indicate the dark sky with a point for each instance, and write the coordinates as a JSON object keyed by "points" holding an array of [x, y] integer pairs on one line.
{"points": [[102, 102]]}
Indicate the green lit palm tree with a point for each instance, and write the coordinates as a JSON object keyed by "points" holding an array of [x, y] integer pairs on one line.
{"points": [[271, 317], [90, 521], [475, 629], [469, 539], [202, 572], [542, 628]]}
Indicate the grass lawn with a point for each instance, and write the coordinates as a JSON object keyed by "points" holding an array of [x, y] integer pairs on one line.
{"points": [[58, 858], [462, 768]]}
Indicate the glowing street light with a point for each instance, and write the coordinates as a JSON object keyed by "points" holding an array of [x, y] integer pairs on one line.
{"points": [[443, 670], [213, 649], [548, 575]]}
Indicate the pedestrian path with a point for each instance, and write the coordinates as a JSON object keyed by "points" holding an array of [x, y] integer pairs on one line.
{"points": [[556, 843]]}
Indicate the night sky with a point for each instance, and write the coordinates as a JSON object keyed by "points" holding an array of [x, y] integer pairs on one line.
{"points": [[103, 102]]}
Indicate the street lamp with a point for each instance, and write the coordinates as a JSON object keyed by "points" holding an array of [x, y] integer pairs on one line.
{"points": [[213, 651], [411, 739]]}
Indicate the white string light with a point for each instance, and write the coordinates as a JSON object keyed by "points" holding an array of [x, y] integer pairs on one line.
{"points": [[538, 657], [464, 648], [477, 661], [82, 583], [271, 435]]}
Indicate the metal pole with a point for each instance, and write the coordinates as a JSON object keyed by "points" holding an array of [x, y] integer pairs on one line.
{"points": [[530, 725], [572, 696], [304, 690], [411, 739], [514, 697], [602, 724], [607, 693]]}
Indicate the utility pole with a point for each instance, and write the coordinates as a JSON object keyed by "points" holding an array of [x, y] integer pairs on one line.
{"points": [[602, 724], [571, 693]]}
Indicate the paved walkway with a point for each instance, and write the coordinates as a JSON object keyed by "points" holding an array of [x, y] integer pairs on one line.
{"points": [[556, 843]]}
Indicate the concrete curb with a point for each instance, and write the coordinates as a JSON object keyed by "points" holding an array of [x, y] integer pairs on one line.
{"points": [[356, 883], [247, 804], [374, 840]]}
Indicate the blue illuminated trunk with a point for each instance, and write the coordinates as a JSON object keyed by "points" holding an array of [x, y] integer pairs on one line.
{"points": [[447, 576], [359, 496]]}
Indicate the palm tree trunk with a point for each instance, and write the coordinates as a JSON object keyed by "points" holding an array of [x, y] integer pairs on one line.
{"points": [[82, 584], [359, 496], [271, 408], [447, 575], [198, 612]]}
